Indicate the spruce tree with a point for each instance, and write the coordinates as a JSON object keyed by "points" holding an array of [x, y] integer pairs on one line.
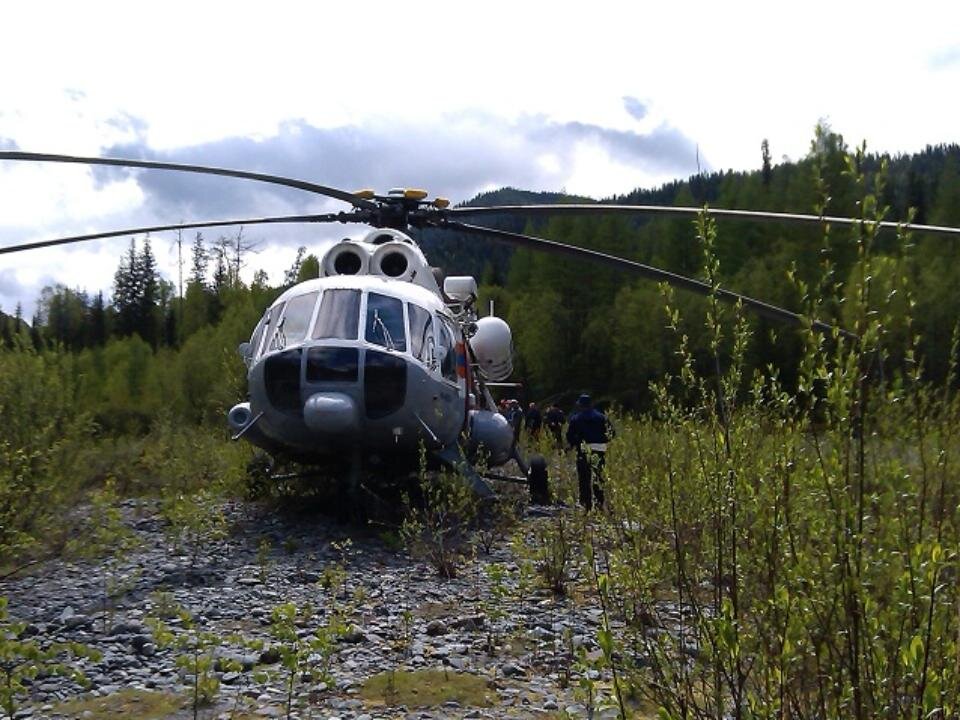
{"points": [[201, 261], [127, 292], [148, 323]]}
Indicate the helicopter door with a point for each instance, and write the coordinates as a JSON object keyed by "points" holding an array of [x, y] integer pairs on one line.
{"points": [[448, 402]]}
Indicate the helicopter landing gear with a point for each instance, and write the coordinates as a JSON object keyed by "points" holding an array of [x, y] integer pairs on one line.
{"points": [[356, 496], [259, 474]]}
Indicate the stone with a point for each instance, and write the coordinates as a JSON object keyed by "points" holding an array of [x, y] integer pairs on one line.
{"points": [[436, 627]]}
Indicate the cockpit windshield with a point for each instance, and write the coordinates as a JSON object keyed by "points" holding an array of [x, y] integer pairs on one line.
{"points": [[339, 315], [385, 325], [296, 319]]}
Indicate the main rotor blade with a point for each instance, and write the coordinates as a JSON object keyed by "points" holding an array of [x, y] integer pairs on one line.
{"points": [[330, 217], [598, 209], [763, 309], [202, 169]]}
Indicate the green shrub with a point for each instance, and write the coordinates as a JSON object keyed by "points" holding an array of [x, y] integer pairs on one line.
{"points": [[807, 542], [43, 433]]}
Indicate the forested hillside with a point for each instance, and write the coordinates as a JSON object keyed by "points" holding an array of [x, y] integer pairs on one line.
{"points": [[579, 327]]}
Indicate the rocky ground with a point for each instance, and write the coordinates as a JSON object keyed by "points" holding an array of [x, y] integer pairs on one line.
{"points": [[400, 616]]}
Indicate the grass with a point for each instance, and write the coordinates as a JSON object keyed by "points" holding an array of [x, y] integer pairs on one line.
{"points": [[140, 704], [426, 688]]}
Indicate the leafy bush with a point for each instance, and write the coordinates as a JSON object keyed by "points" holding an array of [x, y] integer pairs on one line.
{"points": [[439, 529], [21, 661], [43, 433], [806, 542]]}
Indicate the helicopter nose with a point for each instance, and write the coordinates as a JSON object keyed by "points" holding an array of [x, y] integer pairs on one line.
{"points": [[330, 412]]}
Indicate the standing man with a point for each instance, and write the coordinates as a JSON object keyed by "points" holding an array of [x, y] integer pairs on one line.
{"points": [[533, 420], [555, 420], [588, 432]]}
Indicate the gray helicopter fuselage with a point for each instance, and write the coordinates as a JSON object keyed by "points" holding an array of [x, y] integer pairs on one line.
{"points": [[357, 363]]}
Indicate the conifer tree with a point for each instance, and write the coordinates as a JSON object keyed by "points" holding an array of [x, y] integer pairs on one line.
{"points": [[147, 317], [201, 262], [127, 291], [98, 322]]}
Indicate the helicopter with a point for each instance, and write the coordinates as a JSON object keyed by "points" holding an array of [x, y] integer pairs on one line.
{"points": [[380, 358]]}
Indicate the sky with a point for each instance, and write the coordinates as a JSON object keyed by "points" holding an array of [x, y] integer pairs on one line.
{"points": [[593, 98]]}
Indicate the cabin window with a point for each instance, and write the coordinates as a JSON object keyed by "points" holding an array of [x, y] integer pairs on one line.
{"points": [[332, 364], [270, 336], [422, 344], [385, 325], [339, 315], [296, 319], [447, 351]]}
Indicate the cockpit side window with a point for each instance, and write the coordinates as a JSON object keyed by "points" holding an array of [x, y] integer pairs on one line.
{"points": [[385, 324], [422, 344], [273, 314], [339, 315], [296, 319], [257, 336], [447, 351]]}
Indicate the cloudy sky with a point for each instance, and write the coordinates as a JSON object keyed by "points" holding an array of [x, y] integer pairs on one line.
{"points": [[596, 98]]}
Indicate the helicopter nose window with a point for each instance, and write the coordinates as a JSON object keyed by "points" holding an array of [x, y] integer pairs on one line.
{"points": [[421, 336], [296, 319], [339, 315], [385, 322], [281, 378], [385, 384], [332, 364]]}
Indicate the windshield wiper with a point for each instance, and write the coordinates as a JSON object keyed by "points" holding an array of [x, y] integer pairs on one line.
{"points": [[387, 338]]}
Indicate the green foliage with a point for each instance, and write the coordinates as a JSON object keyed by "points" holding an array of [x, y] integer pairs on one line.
{"points": [[25, 660], [553, 552], [107, 539], [304, 656], [497, 519], [426, 688], [438, 530], [196, 656], [140, 704], [43, 433], [808, 541], [195, 521], [179, 458]]}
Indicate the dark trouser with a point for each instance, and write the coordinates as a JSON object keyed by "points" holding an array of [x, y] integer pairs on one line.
{"points": [[590, 475], [555, 430]]}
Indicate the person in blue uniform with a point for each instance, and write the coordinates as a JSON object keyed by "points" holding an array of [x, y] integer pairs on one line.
{"points": [[588, 431]]}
